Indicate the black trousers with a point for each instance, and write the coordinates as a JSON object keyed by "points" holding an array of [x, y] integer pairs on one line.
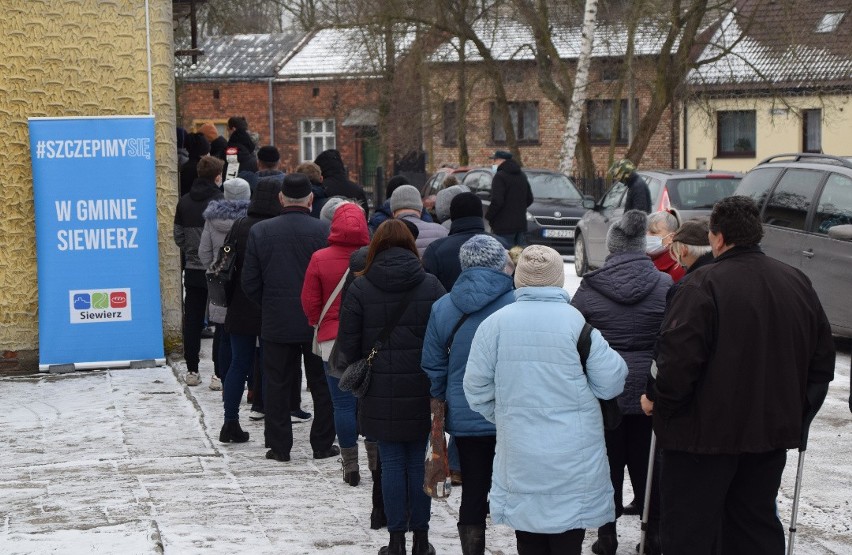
{"points": [[281, 367], [566, 543], [194, 311], [476, 458], [629, 445], [700, 493]]}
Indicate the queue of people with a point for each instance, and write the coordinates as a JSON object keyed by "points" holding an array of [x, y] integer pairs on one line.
{"points": [[698, 348]]}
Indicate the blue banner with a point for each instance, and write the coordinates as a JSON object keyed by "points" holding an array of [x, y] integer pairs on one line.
{"points": [[96, 240]]}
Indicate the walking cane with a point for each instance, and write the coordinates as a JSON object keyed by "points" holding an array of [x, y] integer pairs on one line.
{"points": [[648, 481], [796, 492]]}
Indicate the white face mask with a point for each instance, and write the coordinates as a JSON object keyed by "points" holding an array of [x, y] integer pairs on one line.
{"points": [[654, 245], [494, 168]]}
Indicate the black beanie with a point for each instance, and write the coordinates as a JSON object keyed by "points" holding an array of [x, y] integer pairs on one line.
{"points": [[464, 205], [296, 186]]}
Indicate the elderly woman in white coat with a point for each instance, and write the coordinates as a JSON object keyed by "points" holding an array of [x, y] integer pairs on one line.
{"points": [[551, 475]]}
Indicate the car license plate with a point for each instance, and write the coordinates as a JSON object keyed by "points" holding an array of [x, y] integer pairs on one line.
{"points": [[558, 233]]}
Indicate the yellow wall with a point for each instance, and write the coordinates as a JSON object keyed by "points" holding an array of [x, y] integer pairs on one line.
{"points": [[78, 58], [779, 128]]}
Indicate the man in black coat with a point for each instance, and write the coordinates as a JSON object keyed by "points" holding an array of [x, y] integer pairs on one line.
{"points": [[277, 255], [336, 182], [441, 258], [638, 194], [511, 194], [744, 361], [240, 139]]}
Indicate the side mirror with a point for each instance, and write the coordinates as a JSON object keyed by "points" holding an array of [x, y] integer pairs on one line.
{"points": [[840, 232], [589, 202]]}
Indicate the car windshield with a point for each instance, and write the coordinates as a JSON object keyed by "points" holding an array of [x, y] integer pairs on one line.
{"points": [[553, 186], [700, 193]]}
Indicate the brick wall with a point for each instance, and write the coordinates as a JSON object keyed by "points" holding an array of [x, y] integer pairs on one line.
{"points": [[198, 102]]}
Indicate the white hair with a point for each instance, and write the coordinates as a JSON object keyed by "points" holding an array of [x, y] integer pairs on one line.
{"points": [[304, 201], [663, 219]]}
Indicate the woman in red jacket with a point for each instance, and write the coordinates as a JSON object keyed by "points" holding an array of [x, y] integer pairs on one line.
{"points": [[661, 228], [323, 283]]}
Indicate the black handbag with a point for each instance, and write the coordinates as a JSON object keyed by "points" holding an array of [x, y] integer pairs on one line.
{"points": [[220, 274], [356, 377], [609, 407]]}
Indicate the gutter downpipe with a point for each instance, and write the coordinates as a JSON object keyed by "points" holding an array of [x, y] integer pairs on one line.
{"points": [[271, 113]]}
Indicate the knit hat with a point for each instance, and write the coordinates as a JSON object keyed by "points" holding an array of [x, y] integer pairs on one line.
{"points": [[331, 206], [621, 169], [693, 232], [483, 251], [501, 155], [406, 197], [237, 189], [296, 186], [444, 199], [464, 205], [395, 182], [209, 131], [628, 233], [268, 154], [539, 266]]}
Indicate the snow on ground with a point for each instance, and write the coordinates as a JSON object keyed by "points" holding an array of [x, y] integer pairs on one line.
{"points": [[128, 462]]}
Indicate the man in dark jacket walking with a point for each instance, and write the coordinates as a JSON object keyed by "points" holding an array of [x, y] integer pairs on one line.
{"points": [[441, 257], [511, 194], [189, 223], [638, 193], [336, 182], [744, 356], [277, 256]]}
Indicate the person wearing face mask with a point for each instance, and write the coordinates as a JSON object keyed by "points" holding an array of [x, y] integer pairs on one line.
{"points": [[661, 228]]}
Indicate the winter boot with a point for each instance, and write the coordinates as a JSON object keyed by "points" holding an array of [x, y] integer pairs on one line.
{"points": [[396, 546], [607, 541], [231, 432], [472, 538], [349, 458], [421, 543], [377, 516], [652, 541]]}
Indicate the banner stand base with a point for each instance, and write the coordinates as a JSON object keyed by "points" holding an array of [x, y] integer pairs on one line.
{"points": [[103, 365]]}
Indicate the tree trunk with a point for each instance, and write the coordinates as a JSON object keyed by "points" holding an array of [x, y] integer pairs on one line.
{"points": [[461, 108]]}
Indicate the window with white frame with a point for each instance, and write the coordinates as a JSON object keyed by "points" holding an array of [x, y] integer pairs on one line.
{"points": [[316, 136]]}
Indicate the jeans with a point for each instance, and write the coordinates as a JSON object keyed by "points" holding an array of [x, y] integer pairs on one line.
{"points": [[476, 455], [242, 360], [453, 455], [514, 239], [403, 469], [194, 308], [221, 352], [344, 412], [569, 542]]}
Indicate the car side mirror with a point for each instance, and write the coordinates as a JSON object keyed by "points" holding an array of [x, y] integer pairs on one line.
{"points": [[589, 202], [841, 232]]}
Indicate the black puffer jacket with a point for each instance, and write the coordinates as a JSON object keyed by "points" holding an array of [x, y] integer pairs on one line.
{"points": [[335, 180], [626, 300], [277, 256], [244, 314], [245, 150], [396, 406], [442, 255], [189, 219], [510, 195]]}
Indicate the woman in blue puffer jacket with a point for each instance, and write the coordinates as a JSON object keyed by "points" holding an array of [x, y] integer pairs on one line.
{"points": [[551, 476], [625, 300], [483, 287]]}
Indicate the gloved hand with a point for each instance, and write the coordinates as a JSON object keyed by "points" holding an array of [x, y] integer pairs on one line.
{"points": [[815, 395]]}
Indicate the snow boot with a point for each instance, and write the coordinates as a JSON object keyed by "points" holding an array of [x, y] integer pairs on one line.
{"points": [[607, 541], [472, 538], [396, 546], [421, 543], [377, 516], [231, 432], [349, 459]]}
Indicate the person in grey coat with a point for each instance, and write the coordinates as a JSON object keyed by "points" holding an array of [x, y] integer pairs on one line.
{"points": [[406, 204], [625, 300]]}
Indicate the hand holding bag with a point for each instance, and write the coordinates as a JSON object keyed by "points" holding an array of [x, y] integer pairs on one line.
{"points": [[437, 483], [315, 346], [220, 274], [609, 407]]}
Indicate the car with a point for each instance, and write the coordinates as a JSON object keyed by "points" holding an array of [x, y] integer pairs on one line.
{"points": [[805, 205], [436, 182], [554, 213], [688, 193]]}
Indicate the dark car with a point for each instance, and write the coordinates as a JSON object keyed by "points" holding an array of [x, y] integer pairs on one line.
{"points": [[690, 193], [806, 206], [554, 213], [436, 182]]}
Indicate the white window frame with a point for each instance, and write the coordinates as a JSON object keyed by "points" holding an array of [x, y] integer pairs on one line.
{"points": [[327, 138]]}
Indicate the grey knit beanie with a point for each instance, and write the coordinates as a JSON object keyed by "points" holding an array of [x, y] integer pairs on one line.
{"points": [[236, 189], [406, 196], [330, 207], [628, 233], [445, 197], [483, 251], [539, 266]]}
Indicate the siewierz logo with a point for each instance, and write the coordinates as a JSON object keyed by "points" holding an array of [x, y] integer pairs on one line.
{"points": [[89, 306]]}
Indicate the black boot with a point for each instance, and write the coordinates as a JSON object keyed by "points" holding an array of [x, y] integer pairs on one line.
{"points": [[396, 546], [377, 516], [607, 541], [421, 543], [231, 432], [472, 539]]}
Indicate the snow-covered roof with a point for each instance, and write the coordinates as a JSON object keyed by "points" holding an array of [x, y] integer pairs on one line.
{"points": [[782, 49], [348, 52], [513, 40], [240, 57]]}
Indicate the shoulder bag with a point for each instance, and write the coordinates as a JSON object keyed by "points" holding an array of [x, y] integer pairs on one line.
{"points": [[609, 407], [220, 274], [315, 346]]}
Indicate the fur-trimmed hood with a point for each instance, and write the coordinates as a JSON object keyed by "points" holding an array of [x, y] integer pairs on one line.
{"points": [[222, 213]]}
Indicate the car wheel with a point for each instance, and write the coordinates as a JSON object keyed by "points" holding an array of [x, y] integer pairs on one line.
{"points": [[581, 263]]}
